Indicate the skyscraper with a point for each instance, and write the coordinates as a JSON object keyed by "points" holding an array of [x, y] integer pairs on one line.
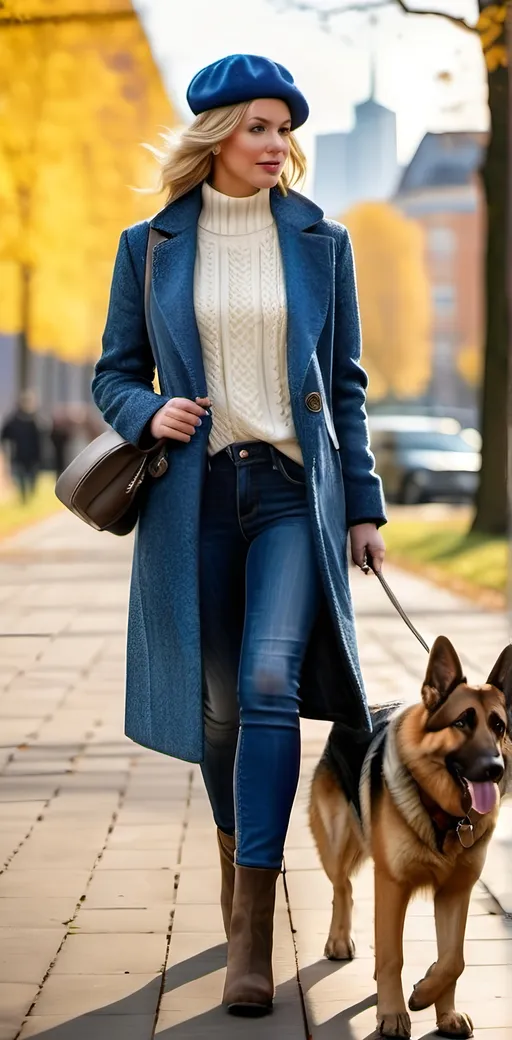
{"points": [[372, 161], [360, 165], [331, 188]]}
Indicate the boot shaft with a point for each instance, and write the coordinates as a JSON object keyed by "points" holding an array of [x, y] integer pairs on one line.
{"points": [[249, 988]]}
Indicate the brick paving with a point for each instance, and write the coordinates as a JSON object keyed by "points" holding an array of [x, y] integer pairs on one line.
{"points": [[109, 917]]}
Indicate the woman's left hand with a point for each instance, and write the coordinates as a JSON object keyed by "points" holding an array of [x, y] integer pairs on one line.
{"points": [[367, 538]]}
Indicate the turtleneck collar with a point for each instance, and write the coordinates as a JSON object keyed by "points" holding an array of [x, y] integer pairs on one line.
{"points": [[225, 215]]}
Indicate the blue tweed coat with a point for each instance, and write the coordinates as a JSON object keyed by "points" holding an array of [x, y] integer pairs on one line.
{"points": [[164, 673]]}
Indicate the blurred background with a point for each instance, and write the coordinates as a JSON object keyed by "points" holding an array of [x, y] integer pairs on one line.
{"points": [[407, 145]]}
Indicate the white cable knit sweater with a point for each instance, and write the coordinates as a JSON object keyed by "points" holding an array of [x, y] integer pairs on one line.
{"points": [[240, 307]]}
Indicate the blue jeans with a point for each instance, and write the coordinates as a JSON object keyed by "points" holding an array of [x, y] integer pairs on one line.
{"points": [[259, 595]]}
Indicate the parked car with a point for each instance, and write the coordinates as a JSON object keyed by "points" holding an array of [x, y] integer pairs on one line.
{"points": [[423, 459]]}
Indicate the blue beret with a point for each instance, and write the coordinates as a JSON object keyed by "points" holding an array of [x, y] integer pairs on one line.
{"points": [[245, 77]]}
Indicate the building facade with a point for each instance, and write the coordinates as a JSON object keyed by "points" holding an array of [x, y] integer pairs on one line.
{"points": [[441, 190]]}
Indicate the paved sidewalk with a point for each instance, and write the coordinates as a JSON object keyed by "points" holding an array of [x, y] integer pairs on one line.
{"points": [[109, 920]]}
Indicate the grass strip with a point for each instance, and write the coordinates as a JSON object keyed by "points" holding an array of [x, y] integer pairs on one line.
{"points": [[449, 553], [15, 515]]}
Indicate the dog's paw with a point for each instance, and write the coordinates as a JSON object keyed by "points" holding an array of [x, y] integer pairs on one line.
{"points": [[424, 992], [339, 949], [394, 1025], [455, 1024]]}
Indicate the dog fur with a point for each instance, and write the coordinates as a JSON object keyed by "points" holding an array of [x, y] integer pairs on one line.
{"points": [[411, 799]]}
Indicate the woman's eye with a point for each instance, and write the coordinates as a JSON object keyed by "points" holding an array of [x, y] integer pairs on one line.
{"points": [[459, 723], [253, 128], [285, 130]]}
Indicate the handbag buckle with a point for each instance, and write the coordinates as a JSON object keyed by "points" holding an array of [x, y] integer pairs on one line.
{"points": [[158, 466]]}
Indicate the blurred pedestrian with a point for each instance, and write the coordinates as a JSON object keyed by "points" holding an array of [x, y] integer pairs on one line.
{"points": [[60, 436], [240, 614], [22, 437]]}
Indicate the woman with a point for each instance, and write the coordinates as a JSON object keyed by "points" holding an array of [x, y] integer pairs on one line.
{"points": [[240, 611]]}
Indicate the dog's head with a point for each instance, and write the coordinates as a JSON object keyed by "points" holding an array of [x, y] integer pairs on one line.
{"points": [[467, 728]]}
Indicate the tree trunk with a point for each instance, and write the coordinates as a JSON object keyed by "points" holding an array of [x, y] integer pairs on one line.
{"points": [[491, 505], [509, 289], [23, 352]]}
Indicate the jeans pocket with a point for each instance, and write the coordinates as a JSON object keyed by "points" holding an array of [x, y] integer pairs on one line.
{"points": [[292, 471]]}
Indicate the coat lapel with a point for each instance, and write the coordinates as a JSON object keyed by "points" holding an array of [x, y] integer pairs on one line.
{"points": [[308, 268], [172, 286]]}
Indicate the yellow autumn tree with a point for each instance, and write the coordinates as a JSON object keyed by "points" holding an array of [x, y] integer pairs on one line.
{"points": [[394, 299], [470, 364], [79, 94]]}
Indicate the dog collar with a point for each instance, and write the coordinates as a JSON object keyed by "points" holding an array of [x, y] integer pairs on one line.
{"points": [[444, 822]]}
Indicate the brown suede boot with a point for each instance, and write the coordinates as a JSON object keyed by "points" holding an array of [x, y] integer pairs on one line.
{"points": [[249, 988], [226, 845]]}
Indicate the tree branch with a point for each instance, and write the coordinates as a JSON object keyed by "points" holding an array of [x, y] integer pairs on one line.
{"points": [[372, 5], [84, 16], [460, 22], [325, 15]]}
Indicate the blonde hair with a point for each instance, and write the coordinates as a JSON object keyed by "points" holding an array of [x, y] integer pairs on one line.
{"points": [[187, 159]]}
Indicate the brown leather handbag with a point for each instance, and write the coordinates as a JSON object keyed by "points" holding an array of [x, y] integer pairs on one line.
{"points": [[103, 484]]}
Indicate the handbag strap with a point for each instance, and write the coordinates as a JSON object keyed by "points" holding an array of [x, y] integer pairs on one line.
{"points": [[157, 466], [154, 238]]}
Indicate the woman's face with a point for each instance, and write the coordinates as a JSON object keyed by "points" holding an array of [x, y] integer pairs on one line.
{"points": [[253, 156]]}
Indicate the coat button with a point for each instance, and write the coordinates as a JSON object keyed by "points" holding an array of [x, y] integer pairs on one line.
{"points": [[244, 454], [314, 402]]}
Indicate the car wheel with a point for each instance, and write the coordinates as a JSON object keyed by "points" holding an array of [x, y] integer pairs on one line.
{"points": [[413, 491]]}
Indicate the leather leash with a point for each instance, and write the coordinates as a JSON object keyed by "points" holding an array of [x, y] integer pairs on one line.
{"points": [[392, 598]]}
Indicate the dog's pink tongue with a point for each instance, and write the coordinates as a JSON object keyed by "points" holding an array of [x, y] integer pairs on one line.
{"points": [[483, 796]]}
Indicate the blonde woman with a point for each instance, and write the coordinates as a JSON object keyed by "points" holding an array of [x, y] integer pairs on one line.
{"points": [[240, 611]]}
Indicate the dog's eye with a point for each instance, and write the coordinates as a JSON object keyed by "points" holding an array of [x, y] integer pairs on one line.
{"points": [[497, 725], [465, 721]]}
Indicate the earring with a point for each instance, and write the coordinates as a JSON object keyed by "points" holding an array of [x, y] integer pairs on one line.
{"points": [[216, 150]]}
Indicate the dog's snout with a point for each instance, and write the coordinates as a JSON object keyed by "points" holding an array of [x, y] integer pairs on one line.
{"points": [[486, 768], [494, 770]]}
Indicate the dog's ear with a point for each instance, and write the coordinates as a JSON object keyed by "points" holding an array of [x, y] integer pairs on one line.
{"points": [[501, 675], [444, 674]]}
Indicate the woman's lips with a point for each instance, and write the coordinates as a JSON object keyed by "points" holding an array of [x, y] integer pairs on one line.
{"points": [[270, 166]]}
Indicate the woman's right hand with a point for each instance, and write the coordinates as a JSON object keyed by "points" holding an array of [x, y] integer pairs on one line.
{"points": [[178, 419]]}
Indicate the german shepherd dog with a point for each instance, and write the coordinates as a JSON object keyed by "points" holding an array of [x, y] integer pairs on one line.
{"points": [[424, 804]]}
